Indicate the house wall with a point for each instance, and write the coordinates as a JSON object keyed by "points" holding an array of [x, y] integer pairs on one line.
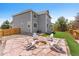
{"points": [[22, 21], [48, 24], [34, 20], [27, 18], [42, 23]]}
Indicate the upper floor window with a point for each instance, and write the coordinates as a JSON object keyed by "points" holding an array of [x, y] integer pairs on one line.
{"points": [[35, 25], [34, 16]]}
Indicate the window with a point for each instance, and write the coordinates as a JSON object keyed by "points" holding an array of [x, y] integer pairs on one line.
{"points": [[28, 25], [35, 25], [47, 25]]}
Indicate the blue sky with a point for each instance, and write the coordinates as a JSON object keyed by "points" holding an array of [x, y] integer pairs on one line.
{"points": [[56, 10]]}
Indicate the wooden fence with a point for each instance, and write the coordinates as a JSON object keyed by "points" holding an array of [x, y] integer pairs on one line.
{"points": [[11, 31], [75, 33]]}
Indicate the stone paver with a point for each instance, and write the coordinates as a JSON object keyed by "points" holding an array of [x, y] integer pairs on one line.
{"points": [[15, 46]]}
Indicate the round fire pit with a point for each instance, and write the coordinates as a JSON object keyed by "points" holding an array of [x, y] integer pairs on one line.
{"points": [[41, 44]]}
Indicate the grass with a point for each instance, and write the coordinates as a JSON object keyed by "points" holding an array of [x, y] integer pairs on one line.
{"points": [[45, 35], [73, 46]]}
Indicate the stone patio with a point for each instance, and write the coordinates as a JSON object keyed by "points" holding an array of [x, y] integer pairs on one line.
{"points": [[15, 46]]}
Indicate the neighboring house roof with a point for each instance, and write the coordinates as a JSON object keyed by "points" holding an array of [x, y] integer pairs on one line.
{"points": [[39, 13]]}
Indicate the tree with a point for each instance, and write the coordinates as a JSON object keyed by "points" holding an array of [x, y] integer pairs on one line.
{"points": [[70, 25], [5, 25], [76, 22], [61, 24], [56, 26]]}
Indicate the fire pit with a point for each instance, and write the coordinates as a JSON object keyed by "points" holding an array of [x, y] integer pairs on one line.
{"points": [[41, 44]]}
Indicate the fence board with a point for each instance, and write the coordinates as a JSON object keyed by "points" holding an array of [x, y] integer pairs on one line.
{"points": [[11, 31]]}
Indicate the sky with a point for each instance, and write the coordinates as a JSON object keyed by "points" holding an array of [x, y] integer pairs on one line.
{"points": [[56, 10]]}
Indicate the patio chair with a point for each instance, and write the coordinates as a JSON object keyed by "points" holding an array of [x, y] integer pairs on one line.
{"points": [[35, 36], [30, 47], [48, 39], [56, 48]]}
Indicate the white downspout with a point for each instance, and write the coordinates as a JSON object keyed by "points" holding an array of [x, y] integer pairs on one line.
{"points": [[46, 23], [31, 23]]}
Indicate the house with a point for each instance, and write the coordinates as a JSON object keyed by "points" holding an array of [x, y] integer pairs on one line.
{"points": [[30, 21]]}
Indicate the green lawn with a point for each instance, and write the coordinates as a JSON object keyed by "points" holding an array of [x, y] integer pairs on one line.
{"points": [[45, 35], [73, 46]]}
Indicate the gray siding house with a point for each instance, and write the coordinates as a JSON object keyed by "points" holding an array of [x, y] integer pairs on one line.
{"points": [[30, 21]]}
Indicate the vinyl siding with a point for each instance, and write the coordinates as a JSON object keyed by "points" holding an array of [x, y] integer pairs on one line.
{"points": [[22, 22], [34, 20], [42, 23]]}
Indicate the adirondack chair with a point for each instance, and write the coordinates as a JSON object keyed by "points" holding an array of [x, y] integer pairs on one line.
{"points": [[35, 36], [30, 47], [57, 48]]}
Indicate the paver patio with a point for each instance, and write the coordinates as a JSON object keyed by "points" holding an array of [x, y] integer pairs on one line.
{"points": [[15, 46]]}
